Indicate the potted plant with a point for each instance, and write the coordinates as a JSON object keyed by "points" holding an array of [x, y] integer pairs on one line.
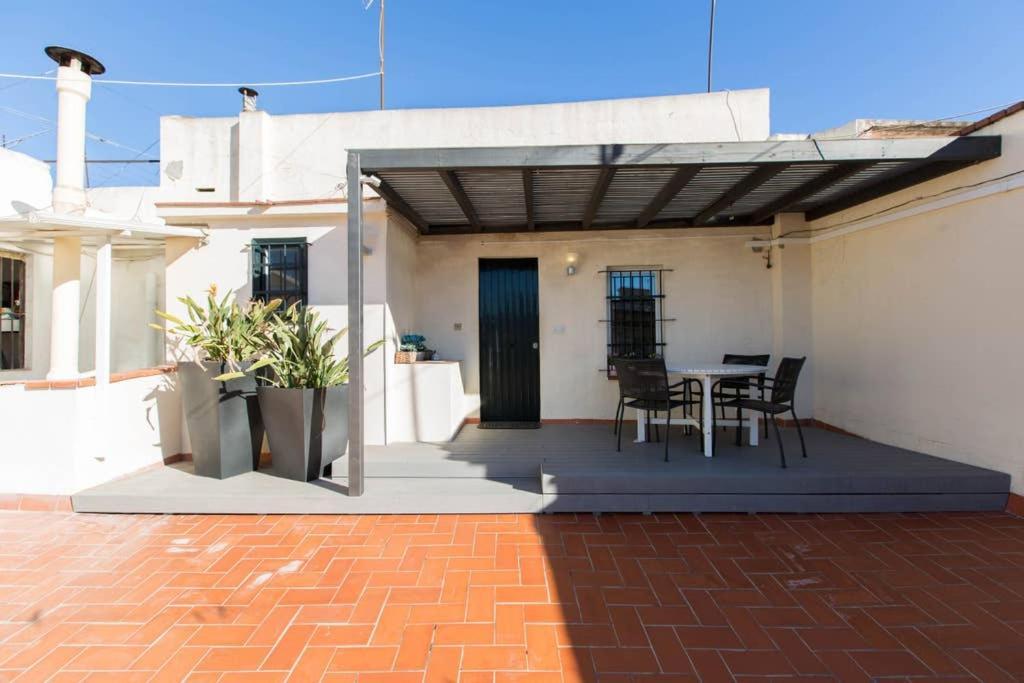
{"points": [[218, 392], [303, 395], [413, 348]]}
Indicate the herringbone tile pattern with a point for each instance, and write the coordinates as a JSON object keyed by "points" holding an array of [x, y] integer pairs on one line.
{"points": [[511, 598]]}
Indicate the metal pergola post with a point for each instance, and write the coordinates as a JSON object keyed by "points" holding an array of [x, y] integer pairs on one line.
{"points": [[356, 383]]}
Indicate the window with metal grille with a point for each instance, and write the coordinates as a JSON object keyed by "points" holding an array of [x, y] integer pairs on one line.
{"points": [[12, 312], [279, 270], [634, 315]]}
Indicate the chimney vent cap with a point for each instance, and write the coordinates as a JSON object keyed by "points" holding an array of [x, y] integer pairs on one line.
{"points": [[64, 55], [248, 92]]}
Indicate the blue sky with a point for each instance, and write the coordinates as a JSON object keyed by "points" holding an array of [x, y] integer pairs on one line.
{"points": [[826, 61]]}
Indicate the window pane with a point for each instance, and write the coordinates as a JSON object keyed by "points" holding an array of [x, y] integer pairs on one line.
{"points": [[12, 319], [282, 271], [634, 314]]}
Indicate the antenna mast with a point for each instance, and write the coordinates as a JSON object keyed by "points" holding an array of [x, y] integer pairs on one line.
{"points": [[711, 44], [380, 48], [380, 45]]}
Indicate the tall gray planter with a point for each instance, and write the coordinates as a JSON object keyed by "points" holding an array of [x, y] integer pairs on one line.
{"points": [[307, 428], [223, 420]]}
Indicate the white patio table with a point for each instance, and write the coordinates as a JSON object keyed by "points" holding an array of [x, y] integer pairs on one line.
{"points": [[708, 375]]}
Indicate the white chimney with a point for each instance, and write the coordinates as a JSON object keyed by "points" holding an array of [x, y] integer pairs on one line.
{"points": [[74, 88], [248, 98], [255, 168]]}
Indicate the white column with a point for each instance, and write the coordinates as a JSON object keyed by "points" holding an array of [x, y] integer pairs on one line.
{"points": [[792, 323], [74, 88], [154, 346], [64, 311], [103, 287]]}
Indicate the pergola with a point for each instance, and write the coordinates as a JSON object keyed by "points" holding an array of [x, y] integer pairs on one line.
{"points": [[104, 234], [625, 186]]}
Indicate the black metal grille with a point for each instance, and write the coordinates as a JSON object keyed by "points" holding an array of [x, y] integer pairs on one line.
{"points": [[280, 270], [12, 313], [635, 322]]}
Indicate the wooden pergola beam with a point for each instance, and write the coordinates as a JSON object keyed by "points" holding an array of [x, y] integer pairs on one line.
{"points": [[971, 148], [531, 221], [669, 190], [395, 201], [455, 187], [808, 189], [748, 184], [604, 179], [873, 191]]}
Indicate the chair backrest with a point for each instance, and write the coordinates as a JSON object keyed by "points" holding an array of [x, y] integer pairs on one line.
{"points": [[740, 359], [784, 385], [642, 378]]}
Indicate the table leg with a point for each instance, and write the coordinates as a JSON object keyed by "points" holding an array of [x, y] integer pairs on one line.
{"points": [[706, 426], [641, 426], [753, 416]]}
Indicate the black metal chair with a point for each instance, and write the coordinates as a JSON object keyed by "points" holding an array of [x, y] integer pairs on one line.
{"points": [[682, 388], [643, 385], [730, 388], [782, 390]]}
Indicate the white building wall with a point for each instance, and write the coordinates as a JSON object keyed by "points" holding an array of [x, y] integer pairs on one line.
{"points": [[224, 259], [133, 344], [26, 185], [717, 292], [239, 166], [918, 321], [60, 441], [302, 156]]}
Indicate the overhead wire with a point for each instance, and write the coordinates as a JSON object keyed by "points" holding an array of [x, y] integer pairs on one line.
{"points": [[43, 119], [118, 173], [969, 186], [184, 84], [17, 141]]}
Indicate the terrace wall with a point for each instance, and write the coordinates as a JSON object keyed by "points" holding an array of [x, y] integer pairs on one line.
{"points": [[918, 319]]}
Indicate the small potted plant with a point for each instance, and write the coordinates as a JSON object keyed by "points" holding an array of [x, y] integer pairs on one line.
{"points": [[413, 348], [303, 394], [222, 412]]}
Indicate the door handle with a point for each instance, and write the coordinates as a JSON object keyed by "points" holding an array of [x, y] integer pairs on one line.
{"points": [[536, 346]]}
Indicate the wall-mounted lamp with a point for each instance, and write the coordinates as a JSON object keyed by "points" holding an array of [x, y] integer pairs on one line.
{"points": [[763, 247], [571, 259]]}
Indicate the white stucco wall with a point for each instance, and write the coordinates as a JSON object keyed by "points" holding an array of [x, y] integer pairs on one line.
{"points": [[718, 293], [302, 156], [224, 256], [918, 321], [58, 442], [26, 185], [258, 157]]}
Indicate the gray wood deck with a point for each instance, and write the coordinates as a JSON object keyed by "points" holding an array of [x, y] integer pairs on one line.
{"points": [[576, 468]]}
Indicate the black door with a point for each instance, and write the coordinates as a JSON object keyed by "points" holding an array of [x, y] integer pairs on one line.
{"points": [[509, 341]]}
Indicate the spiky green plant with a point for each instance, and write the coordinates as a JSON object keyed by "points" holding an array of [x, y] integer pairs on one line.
{"points": [[300, 353], [223, 331]]}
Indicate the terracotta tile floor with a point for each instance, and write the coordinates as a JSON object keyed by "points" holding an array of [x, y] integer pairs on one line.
{"points": [[511, 598]]}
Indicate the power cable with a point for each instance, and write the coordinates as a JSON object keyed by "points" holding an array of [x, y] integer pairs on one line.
{"points": [[17, 141], [126, 164], [182, 84], [970, 186], [43, 119]]}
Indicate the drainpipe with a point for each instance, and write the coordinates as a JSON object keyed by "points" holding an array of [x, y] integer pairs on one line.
{"points": [[74, 88]]}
